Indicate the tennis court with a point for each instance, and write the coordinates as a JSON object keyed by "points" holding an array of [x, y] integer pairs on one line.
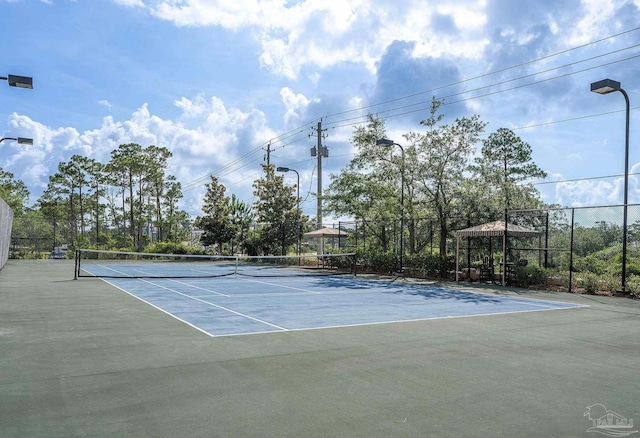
{"points": [[262, 300], [82, 358]]}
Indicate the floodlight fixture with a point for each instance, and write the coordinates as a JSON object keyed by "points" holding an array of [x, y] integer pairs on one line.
{"points": [[18, 81], [20, 140], [385, 142], [605, 86]]}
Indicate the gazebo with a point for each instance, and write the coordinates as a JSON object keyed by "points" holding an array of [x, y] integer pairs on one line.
{"points": [[322, 233], [494, 229]]}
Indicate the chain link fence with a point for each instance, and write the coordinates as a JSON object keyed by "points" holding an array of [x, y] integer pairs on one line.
{"points": [[421, 235], [578, 249]]}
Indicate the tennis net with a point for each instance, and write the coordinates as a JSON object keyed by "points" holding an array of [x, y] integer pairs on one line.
{"points": [[121, 264]]}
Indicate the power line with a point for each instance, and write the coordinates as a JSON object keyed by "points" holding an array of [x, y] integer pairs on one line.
{"points": [[581, 179], [288, 134], [200, 181], [427, 104], [485, 74], [573, 119]]}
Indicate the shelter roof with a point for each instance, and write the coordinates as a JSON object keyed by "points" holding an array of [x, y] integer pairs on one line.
{"points": [[326, 232], [496, 228]]}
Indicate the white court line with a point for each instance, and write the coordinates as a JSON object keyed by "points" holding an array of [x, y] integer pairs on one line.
{"points": [[198, 287], [170, 279], [279, 285], [294, 294], [214, 305], [111, 269], [509, 312], [192, 298], [545, 308], [159, 308], [183, 283]]}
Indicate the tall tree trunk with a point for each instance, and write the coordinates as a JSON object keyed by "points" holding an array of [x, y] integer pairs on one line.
{"points": [[131, 211], [159, 218], [124, 216], [81, 211]]}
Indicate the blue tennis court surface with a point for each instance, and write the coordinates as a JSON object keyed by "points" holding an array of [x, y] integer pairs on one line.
{"points": [[244, 305]]}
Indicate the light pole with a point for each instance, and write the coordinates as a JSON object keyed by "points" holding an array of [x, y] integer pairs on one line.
{"points": [[607, 86], [20, 140], [18, 81], [387, 142], [287, 169]]}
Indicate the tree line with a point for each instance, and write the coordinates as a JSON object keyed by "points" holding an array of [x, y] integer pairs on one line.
{"points": [[130, 201], [441, 177], [125, 203]]}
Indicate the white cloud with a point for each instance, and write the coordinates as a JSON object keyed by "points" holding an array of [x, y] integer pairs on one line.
{"points": [[596, 192], [598, 19], [467, 16], [314, 78], [324, 33], [296, 105], [219, 136], [105, 103], [130, 3], [587, 193]]}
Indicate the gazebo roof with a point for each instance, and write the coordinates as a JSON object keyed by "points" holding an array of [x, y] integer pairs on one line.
{"points": [[326, 232], [495, 229]]}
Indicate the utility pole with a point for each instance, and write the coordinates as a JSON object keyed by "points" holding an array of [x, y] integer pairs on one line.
{"points": [[320, 152], [319, 219], [268, 154]]}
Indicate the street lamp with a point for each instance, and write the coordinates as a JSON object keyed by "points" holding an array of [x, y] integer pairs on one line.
{"points": [[607, 86], [287, 169], [18, 81], [387, 142], [20, 140]]}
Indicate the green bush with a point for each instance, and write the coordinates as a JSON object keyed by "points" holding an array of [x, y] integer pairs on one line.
{"points": [[591, 263], [633, 267], [530, 275], [633, 285], [609, 282], [429, 265], [415, 264], [385, 263], [171, 248], [586, 280], [592, 282]]}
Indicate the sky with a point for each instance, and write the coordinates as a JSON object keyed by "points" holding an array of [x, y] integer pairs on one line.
{"points": [[216, 81]]}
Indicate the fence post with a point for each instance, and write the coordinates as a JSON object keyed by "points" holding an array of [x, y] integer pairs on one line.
{"points": [[469, 250], [76, 265], [430, 237], [356, 232], [546, 242], [364, 233], [573, 213]]}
